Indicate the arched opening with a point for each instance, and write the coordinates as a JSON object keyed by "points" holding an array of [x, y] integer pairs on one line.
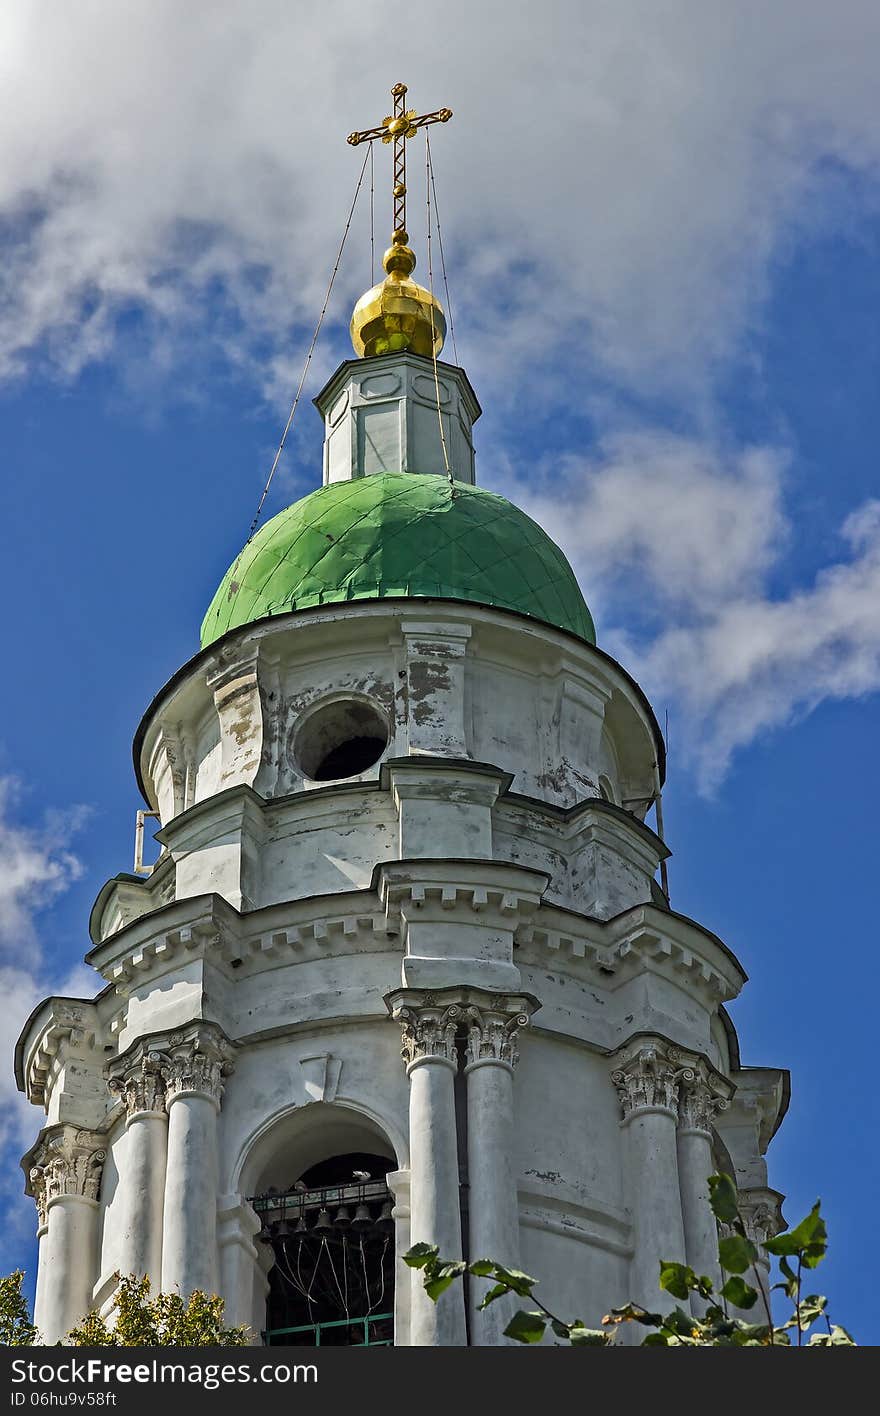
{"points": [[341, 739], [328, 1231]]}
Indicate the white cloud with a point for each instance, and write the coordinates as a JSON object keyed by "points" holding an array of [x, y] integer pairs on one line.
{"points": [[618, 187], [615, 184], [649, 509], [682, 538], [760, 662], [36, 866]]}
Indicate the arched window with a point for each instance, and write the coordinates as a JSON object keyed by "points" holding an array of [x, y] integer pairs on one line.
{"points": [[332, 1238]]}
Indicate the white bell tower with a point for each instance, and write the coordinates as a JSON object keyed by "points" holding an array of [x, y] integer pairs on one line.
{"points": [[403, 970]]}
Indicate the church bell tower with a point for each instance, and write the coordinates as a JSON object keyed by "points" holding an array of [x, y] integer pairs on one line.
{"points": [[403, 970]]}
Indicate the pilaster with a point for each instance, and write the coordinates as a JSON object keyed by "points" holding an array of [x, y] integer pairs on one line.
{"points": [[459, 919], [434, 654]]}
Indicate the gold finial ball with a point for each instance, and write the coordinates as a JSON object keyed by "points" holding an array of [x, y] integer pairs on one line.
{"points": [[397, 314], [399, 257]]}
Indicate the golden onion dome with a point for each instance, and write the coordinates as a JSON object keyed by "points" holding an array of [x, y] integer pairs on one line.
{"points": [[397, 314]]}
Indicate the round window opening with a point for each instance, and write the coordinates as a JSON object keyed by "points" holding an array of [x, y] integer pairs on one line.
{"points": [[342, 739]]}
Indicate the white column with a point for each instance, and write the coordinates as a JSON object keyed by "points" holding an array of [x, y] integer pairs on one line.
{"points": [[701, 1097], [431, 1061], [239, 1261], [198, 1060], [761, 1213], [398, 1183], [493, 1205], [647, 1084], [138, 1082], [40, 1294], [65, 1181]]}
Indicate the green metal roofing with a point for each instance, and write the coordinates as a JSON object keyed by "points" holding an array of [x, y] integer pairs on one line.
{"points": [[399, 534]]}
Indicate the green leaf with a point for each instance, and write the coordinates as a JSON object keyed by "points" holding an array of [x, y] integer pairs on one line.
{"points": [[736, 1253], [518, 1282], [750, 1334], [705, 1286], [812, 1308], [655, 1339], [580, 1336], [498, 1291], [679, 1322], [722, 1198], [446, 1274], [837, 1337], [632, 1313], [739, 1293], [526, 1327], [808, 1240], [483, 1268], [677, 1279], [420, 1254]]}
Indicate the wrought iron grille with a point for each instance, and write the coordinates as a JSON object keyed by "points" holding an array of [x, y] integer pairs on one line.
{"points": [[332, 1281]]}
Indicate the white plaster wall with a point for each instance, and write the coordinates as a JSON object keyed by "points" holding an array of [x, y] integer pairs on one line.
{"points": [[323, 844], [532, 701], [270, 1084]]}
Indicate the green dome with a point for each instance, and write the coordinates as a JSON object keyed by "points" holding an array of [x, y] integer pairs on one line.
{"points": [[399, 534]]}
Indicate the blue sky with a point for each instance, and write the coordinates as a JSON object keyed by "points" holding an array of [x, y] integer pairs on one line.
{"points": [[662, 240]]}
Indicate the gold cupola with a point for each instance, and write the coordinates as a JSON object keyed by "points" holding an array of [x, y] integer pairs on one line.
{"points": [[397, 314]]}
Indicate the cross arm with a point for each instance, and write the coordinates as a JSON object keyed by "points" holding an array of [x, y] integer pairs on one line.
{"points": [[385, 131], [367, 135], [441, 115]]}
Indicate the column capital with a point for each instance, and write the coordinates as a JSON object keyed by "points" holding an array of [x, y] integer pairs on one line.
{"points": [[493, 1028], [647, 1077], [138, 1080], [653, 1073], [761, 1213], [428, 1028], [703, 1095], [67, 1161], [431, 1020], [196, 1061]]}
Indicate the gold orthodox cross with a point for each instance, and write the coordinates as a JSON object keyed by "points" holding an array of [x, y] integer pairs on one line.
{"points": [[396, 128]]}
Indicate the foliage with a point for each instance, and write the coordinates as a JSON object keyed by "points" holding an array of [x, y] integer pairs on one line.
{"points": [[16, 1328], [168, 1320], [139, 1320], [711, 1324]]}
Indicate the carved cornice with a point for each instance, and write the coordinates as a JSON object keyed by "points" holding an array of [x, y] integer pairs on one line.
{"points": [[59, 1028], [497, 894], [68, 1161], [139, 1081], [196, 1061], [493, 1033]]}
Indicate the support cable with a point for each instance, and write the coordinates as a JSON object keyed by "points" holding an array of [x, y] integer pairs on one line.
{"points": [[442, 256], [308, 361], [428, 184], [372, 221]]}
